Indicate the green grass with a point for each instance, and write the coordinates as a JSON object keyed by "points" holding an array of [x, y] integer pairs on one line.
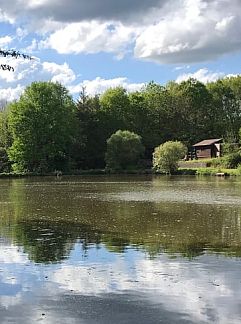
{"points": [[210, 171], [201, 160]]}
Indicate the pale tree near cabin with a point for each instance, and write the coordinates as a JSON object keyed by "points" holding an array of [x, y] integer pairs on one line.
{"points": [[167, 155]]}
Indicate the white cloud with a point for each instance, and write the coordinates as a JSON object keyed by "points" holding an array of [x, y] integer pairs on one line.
{"points": [[91, 37], [174, 33], [6, 40], [60, 73], [182, 67], [99, 85], [22, 69], [12, 84], [177, 31], [192, 31], [32, 70], [10, 94], [203, 75]]}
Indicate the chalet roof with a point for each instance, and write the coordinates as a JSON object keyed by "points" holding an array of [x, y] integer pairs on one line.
{"points": [[208, 142]]}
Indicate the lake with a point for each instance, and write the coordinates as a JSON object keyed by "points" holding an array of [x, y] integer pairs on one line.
{"points": [[120, 249]]}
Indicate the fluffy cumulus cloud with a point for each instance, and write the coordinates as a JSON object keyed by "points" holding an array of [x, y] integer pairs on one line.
{"points": [[9, 94], [6, 40], [29, 71], [12, 84], [99, 85], [161, 31], [91, 37], [177, 31], [173, 33], [59, 73], [192, 31], [203, 75]]}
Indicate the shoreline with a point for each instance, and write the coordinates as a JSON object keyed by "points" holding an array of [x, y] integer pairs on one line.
{"points": [[208, 171]]}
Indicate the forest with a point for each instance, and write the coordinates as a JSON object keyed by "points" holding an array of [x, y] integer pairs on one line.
{"points": [[46, 130]]}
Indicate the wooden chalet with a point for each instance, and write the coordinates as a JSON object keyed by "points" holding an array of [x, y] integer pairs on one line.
{"points": [[210, 148]]}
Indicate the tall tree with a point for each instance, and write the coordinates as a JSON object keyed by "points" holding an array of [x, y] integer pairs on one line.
{"points": [[89, 146], [227, 109], [195, 110], [114, 107], [157, 102], [42, 126], [5, 141]]}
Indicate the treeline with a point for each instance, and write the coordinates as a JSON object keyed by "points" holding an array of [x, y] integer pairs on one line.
{"points": [[45, 130]]}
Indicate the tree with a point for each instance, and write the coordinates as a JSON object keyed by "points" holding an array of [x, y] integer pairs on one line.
{"points": [[114, 107], [5, 141], [167, 155], [5, 134], [195, 110], [227, 107], [124, 149], [90, 144], [159, 125], [42, 125]]}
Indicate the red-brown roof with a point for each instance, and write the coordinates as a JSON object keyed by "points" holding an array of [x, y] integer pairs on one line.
{"points": [[208, 142]]}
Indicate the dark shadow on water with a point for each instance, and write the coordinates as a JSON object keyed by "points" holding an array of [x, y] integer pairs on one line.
{"points": [[111, 308]]}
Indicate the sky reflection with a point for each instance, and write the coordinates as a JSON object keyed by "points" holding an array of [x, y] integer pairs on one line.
{"points": [[207, 289]]}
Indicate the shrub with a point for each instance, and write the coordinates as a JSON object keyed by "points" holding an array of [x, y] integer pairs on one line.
{"points": [[229, 148], [232, 160], [124, 150], [167, 155]]}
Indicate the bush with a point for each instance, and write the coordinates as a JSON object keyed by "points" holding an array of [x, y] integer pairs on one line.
{"points": [[229, 148], [231, 161], [124, 150], [167, 155]]}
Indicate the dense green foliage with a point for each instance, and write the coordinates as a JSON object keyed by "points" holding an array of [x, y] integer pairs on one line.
{"points": [[167, 155], [124, 150], [42, 127], [45, 130]]}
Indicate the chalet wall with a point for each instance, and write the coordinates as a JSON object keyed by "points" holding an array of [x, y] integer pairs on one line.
{"points": [[203, 153]]}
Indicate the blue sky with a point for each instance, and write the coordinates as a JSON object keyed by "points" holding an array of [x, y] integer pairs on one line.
{"points": [[128, 43]]}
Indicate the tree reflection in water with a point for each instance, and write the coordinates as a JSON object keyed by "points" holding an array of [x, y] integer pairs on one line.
{"points": [[47, 218]]}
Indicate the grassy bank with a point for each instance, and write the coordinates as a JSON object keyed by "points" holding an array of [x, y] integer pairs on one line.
{"points": [[209, 171], [186, 170], [75, 173], [215, 166]]}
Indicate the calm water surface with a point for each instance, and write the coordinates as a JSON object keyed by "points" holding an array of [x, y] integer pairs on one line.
{"points": [[120, 250]]}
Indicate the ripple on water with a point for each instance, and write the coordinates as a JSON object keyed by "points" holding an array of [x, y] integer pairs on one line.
{"points": [[196, 197]]}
